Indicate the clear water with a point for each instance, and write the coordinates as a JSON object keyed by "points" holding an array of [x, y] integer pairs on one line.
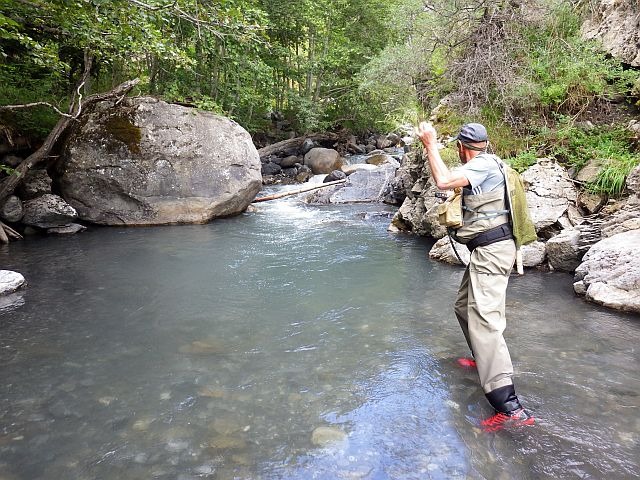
{"points": [[215, 351]]}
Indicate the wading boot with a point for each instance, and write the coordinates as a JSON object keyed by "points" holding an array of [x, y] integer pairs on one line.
{"points": [[509, 412], [516, 418]]}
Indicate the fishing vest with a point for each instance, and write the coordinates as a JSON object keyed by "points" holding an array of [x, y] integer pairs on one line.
{"points": [[481, 213]]}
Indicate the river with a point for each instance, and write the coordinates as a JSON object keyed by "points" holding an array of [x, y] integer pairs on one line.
{"points": [[217, 351]]}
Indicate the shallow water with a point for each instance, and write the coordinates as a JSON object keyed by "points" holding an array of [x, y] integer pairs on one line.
{"points": [[215, 351]]}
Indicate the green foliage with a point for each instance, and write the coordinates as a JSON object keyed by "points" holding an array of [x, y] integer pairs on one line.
{"points": [[575, 146], [304, 114], [611, 179], [523, 160], [6, 169]]}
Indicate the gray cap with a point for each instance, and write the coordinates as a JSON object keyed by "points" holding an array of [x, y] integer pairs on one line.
{"points": [[472, 133]]}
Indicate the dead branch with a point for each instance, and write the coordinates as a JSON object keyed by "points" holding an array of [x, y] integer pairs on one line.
{"points": [[296, 192], [35, 104]]}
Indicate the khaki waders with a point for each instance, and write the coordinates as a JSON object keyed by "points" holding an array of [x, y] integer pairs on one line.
{"points": [[480, 308]]}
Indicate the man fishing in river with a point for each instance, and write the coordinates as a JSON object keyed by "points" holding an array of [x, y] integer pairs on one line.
{"points": [[480, 304]]}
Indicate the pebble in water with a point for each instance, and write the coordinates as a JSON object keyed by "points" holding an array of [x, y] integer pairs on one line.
{"points": [[227, 442], [203, 347], [324, 436]]}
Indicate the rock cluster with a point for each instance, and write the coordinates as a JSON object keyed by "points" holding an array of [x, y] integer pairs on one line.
{"points": [[598, 248], [140, 162], [300, 161]]}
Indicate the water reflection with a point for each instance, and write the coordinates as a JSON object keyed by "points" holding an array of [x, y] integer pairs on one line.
{"points": [[216, 351]]}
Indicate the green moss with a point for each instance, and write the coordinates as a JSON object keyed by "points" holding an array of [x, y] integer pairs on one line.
{"points": [[121, 128]]}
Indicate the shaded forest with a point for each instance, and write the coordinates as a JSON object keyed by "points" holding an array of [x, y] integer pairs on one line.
{"points": [[281, 68]]}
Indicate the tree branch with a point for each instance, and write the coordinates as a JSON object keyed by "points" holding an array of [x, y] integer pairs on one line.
{"points": [[9, 184], [35, 104]]}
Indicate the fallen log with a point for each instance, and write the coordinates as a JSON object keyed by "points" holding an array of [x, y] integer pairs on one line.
{"points": [[7, 232], [295, 142], [296, 192]]}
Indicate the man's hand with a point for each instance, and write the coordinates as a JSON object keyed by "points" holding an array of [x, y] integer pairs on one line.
{"points": [[427, 134]]}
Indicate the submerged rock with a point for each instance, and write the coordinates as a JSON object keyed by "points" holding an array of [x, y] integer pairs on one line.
{"points": [[146, 162], [203, 347], [324, 436]]}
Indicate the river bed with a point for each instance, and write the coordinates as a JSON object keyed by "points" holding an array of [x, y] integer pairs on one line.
{"points": [[226, 351]]}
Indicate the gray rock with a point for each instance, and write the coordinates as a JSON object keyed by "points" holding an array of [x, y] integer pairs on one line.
{"points": [[11, 301], [323, 160], [589, 173], [289, 161], [290, 172], [633, 179], [533, 254], [271, 169], [12, 209], [335, 175], [307, 145], [35, 184], [550, 191], [615, 25], [624, 220], [70, 229], [443, 252], [304, 174], [365, 186], [48, 211], [10, 281], [563, 251], [610, 272], [397, 188], [391, 140], [590, 202], [148, 162]]}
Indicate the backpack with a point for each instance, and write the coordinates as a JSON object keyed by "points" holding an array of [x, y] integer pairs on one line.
{"points": [[524, 230]]}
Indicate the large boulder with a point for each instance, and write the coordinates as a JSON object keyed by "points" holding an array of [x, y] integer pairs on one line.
{"points": [[361, 186], [550, 191], [147, 162], [323, 160], [610, 272]]}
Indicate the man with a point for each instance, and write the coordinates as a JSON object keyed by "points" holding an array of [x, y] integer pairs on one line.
{"points": [[480, 304]]}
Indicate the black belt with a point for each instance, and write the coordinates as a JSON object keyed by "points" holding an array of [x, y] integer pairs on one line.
{"points": [[497, 234]]}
